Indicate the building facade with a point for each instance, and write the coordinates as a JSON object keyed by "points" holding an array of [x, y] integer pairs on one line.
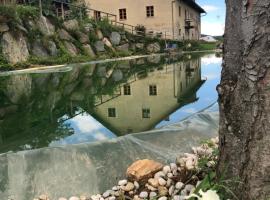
{"points": [[179, 19]]}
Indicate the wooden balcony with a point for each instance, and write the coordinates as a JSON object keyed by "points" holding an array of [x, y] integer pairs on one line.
{"points": [[189, 24]]}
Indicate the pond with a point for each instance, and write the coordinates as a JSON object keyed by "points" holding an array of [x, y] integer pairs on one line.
{"points": [[92, 102]]}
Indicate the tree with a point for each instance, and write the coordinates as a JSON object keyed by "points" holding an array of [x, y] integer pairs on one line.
{"points": [[245, 99]]}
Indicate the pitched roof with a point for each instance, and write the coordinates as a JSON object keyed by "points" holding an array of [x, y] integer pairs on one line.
{"points": [[194, 5]]}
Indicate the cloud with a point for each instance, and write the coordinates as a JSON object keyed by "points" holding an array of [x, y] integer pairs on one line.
{"points": [[213, 28], [210, 8], [211, 59]]}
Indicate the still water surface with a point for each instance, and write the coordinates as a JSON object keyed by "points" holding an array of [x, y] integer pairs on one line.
{"points": [[93, 102]]}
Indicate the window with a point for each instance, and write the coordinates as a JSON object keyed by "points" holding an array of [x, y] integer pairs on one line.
{"points": [[179, 31], [152, 90], [145, 113], [150, 11], [127, 90], [123, 14], [97, 15], [111, 112], [180, 11]]}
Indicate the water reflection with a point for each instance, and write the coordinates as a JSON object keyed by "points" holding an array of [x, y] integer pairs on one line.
{"points": [[96, 102]]}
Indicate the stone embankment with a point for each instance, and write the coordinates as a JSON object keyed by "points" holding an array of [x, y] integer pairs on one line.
{"points": [[148, 179]]}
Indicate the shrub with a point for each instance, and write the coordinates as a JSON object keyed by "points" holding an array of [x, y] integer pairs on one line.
{"points": [[27, 12]]}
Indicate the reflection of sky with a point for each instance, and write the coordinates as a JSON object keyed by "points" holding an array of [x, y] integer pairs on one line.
{"points": [[86, 129], [211, 69]]}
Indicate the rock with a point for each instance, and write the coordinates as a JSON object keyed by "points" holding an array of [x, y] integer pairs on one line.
{"points": [[136, 184], [112, 198], [130, 186], [115, 188], [43, 197], [122, 182], [152, 194], [45, 26], [190, 188], [99, 34], [162, 191], [83, 197], [153, 182], [178, 197], [39, 50], [170, 175], [173, 166], [136, 197], [162, 198], [99, 45], [179, 185], [162, 182], [169, 182], [107, 193], [159, 174], [74, 198], [88, 27], [153, 48], [171, 190], [117, 75], [64, 35], [115, 38], [139, 46], [154, 59], [4, 27], [143, 195], [107, 42], [52, 49], [166, 169], [15, 48], [88, 50], [123, 47], [71, 48], [150, 187], [62, 198], [71, 25], [83, 38]]}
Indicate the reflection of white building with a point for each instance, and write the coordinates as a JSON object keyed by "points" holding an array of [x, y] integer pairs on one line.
{"points": [[148, 99], [208, 38]]}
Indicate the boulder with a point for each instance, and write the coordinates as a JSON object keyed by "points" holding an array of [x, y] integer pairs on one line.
{"points": [[107, 42], [71, 24], [139, 46], [39, 50], [117, 75], [52, 48], [154, 59], [142, 170], [88, 50], [64, 35], [71, 48], [115, 38], [123, 47], [88, 27], [99, 34], [99, 45], [153, 48], [83, 38], [4, 27], [45, 26], [14, 48]]}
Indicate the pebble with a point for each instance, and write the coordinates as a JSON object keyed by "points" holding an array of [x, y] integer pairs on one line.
{"points": [[136, 197], [162, 191], [130, 186], [122, 182], [189, 188], [152, 194], [117, 193], [83, 197], [143, 195], [107, 193], [62, 198], [166, 169], [162, 182], [171, 190], [150, 187], [175, 173], [115, 188], [170, 175], [136, 184], [169, 182], [74, 198], [178, 197], [153, 182], [95, 197], [173, 166], [112, 198], [131, 193], [43, 197], [159, 175], [162, 198], [179, 185]]}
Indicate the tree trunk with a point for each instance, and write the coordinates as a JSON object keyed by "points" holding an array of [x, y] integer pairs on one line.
{"points": [[244, 99]]}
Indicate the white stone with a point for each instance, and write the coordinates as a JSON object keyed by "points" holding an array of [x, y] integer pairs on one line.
{"points": [[173, 166], [153, 182], [169, 182], [178, 197], [162, 198], [162, 182], [107, 193], [179, 185], [159, 174], [152, 194], [122, 182], [170, 175], [115, 188], [74, 198], [143, 195], [62, 198], [166, 169], [171, 190], [112, 198], [136, 184], [190, 188]]}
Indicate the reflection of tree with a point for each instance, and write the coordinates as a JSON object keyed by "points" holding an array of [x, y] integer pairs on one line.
{"points": [[36, 122]]}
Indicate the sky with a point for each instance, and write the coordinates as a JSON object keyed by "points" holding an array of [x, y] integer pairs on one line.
{"points": [[214, 22]]}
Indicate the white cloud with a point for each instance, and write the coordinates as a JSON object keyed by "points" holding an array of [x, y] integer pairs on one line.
{"points": [[190, 110], [86, 123], [211, 59], [210, 8], [213, 28]]}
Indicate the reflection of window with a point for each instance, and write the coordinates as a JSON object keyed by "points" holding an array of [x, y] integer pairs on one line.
{"points": [[127, 90], [123, 14], [150, 11], [179, 11], [97, 15], [111, 112], [145, 113], [180, 31], [152, 90]]}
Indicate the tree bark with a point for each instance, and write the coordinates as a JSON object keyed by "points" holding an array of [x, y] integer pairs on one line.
{"points": [[244, 99]]}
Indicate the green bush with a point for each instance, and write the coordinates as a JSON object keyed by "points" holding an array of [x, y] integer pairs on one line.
{"points": [[27, 12]]}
